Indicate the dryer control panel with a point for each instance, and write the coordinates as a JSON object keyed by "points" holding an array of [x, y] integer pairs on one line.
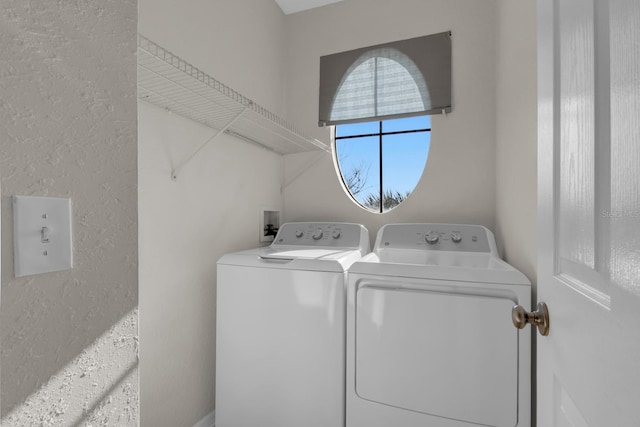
{"points": [[331, 234], [436, 237]]}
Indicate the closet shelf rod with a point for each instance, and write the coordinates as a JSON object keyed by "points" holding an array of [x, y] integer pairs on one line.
{"points": [[167, 81]]}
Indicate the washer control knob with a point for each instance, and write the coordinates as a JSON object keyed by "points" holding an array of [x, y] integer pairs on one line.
{"points": [[299, 233], [336, 234], [432, 237], [456, 237], [317, 235]]}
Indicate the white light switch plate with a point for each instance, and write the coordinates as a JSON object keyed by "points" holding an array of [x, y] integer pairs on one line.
{"points": [[41, 235]]}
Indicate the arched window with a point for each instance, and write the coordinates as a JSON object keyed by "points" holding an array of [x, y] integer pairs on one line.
{"points": [[379, 100]]}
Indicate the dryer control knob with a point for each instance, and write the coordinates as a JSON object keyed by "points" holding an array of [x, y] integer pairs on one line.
{"points": [[336, 234], [317, 235], [456, 237], [299, 233], [432, 237]]}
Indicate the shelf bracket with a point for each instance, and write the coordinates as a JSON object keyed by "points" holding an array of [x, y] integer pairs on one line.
{"points": [[303, 170], [174, 172]]}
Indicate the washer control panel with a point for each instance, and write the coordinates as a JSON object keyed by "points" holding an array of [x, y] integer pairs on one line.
{"points": [[436, 237], [332, 234]]}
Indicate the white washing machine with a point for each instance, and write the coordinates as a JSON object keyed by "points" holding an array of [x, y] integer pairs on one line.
{"points": [[430, 340], [280, 333]]}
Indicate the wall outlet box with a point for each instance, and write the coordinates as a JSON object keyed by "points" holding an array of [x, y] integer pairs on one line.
{"points": [[269, 224], [41, 235]]}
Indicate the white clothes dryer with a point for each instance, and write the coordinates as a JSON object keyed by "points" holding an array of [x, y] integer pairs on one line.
{"points": [[430, 341], [280, 333]]}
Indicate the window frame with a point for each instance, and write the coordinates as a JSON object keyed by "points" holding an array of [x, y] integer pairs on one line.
{"points": [[380, 134]]}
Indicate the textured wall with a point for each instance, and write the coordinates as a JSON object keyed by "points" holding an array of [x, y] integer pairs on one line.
{"points": [[212, 208], [458, 184], [68, 129]]}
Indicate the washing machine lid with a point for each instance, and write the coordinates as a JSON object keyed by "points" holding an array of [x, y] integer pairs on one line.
{"points": [[438, 251], [311, 259], [308, 246]]}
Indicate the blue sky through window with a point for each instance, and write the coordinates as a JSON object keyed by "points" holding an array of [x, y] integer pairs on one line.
{"points": [[403, 155]]}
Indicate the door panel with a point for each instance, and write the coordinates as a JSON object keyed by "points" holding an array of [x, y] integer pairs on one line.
{"points": [[625, 144], [589, 212], [575, 185]]}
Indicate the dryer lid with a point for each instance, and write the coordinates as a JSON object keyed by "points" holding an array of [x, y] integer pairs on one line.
{"points": [[495, 271], [438, 251]]}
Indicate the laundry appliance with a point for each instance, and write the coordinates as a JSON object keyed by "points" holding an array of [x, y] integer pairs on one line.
{"points": [[430, 339], [280, 333]]}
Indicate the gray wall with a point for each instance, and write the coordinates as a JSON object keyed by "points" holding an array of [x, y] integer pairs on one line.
{"points": [[516, 136], [67, 120], [458, 184], [212, 208], [273, 59], [68, 129], [482, 163]]}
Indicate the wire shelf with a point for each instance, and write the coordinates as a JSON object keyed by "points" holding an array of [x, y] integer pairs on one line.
{"points": [[166, 80]]}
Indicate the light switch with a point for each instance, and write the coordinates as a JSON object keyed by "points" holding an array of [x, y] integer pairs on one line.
{"points": [[41, 235]]}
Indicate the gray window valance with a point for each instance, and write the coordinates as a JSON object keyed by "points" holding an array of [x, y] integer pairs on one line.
{"points": [[398, 79]]}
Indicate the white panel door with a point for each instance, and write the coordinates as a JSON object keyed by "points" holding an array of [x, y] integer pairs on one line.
{"points": [[588, 368]]}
